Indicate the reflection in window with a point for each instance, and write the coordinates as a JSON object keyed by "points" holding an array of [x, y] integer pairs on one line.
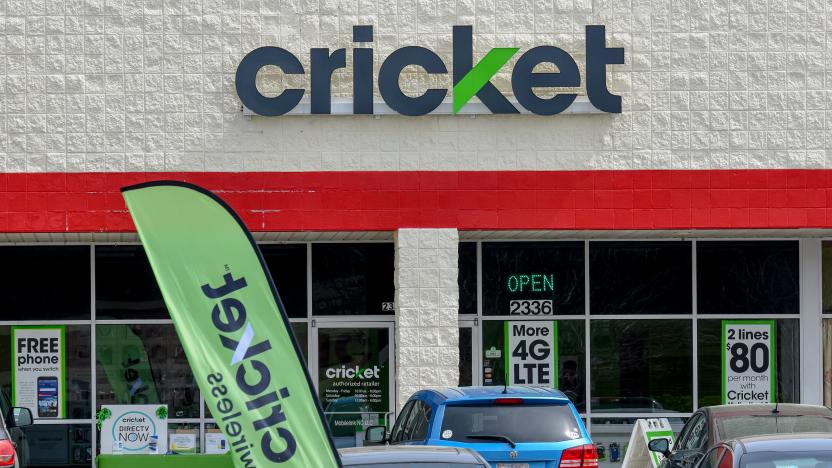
{"points": [[515, 273], [183, 438], [465, 358], [640, 277], [352, 279], [827, 362], [301, 331], [753, 277], [45, 282], [643, 366], [144, 364], [787, 357], [124, 284], [615, 434], [287, 266], [56, 445], [467, 278], [571, 349]]}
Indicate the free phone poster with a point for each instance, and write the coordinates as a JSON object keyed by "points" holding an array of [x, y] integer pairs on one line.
{"points": [[39, 374]]}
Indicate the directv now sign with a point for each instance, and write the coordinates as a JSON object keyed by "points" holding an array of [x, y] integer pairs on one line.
{"points": [[469, 79]]}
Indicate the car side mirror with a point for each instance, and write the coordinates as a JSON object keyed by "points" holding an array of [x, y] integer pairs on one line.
{"points": [[375, 435], [19, 417], [661, 446]]}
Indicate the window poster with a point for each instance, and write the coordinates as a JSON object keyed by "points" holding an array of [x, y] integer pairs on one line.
{"points": [[134, 429], [39, 373], [748, 367], [532, 353]]}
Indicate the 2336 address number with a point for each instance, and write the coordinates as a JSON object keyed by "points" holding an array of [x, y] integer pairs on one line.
{"points": [[531, 307]]}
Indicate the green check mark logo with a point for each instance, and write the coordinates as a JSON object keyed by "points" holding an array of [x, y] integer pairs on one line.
{"points": [[481, 74]]}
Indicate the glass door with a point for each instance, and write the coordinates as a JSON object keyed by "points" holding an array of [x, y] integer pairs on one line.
{"points": [[353, 368], [469, 337]]}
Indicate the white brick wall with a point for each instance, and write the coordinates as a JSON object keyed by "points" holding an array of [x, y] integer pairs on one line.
{"points": [[427, 300], [147, 85]]}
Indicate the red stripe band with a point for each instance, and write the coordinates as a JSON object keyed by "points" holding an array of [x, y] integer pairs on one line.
{"points": [[468, 200]]}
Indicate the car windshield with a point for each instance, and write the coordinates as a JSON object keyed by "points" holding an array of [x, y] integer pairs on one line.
{"points": [[743, 426], [787, 460], [509, 423]]}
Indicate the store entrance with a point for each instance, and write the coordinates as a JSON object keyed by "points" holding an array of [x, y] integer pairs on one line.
{"points": [[354, 372]]}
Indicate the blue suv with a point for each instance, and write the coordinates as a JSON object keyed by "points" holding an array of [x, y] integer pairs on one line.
{"points": [[514, 427]]}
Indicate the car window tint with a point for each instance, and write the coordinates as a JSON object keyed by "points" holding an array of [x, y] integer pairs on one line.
{"points": [[696, 435], [421, 421], [733, 427], [521, 423], [396, 433], [684, 436], [699, 436], [407, 424]]}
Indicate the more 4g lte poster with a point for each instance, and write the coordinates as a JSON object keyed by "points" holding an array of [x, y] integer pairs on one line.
{"points": [[748, 366], [38, 375], [532, 353]]}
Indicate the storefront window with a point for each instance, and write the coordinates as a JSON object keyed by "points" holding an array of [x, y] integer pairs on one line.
{"points": [[301, 331], [184, 438], [59, 445], [749, 277], [465, 358], [571, 357], [640, 278], [45, 282], [144, 364], [786, 368], [467, 278], [287, 266], [612, 437], [125, 287], [533, 278], [352, 279], [641, 366], [827, 362]]}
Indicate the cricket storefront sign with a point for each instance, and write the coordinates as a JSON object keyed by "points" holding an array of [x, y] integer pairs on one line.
{"points": [[469, 79], [232, 325]]}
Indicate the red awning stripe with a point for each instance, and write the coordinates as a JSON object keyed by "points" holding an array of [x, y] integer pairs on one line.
{"points": [[469, 200]]}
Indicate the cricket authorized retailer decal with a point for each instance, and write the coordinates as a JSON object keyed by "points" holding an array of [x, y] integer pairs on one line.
{"points": [[232, 326], [38, 370]]}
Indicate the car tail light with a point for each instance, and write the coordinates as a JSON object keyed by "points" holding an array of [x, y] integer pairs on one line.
{"points": [[584, 456], [6, 453], [508, 401]]}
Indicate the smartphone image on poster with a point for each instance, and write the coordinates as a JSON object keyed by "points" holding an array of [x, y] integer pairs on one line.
{"points": [[47, 397]]}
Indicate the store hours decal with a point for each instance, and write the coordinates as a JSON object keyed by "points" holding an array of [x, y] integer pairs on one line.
{"points": [[748, 362]]}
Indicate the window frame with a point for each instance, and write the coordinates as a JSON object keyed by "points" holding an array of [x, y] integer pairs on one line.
{"points": [[804, 255], [202, 420]]}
